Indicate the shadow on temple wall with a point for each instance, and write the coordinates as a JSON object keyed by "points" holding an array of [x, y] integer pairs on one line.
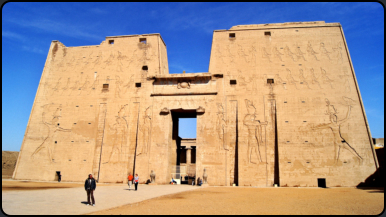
{"points": [[376, 180]]}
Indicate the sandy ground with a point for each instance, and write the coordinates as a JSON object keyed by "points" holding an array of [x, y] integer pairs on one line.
{"points": [[260, 201], [13, 185]]}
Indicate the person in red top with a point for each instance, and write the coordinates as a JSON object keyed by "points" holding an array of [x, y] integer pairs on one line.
{"points": [[130, 178]]}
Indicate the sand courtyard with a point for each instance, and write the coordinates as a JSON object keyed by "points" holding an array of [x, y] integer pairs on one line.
{"points": [[65, 198]]}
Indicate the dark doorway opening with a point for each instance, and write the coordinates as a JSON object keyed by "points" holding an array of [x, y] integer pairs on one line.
{"points": [[184, 162], [322, 183]]}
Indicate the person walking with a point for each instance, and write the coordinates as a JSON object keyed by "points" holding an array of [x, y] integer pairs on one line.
{"points": [[136, 180], [130, 178], [90, 186]]}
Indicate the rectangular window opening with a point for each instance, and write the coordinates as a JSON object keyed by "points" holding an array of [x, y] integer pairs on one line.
{"points": [[322, 183], [233, 82], [111, 41], [232, 35], [270, 81], [144, 68], [142, 40], [137, 84], [105, 86], [267, 33]]}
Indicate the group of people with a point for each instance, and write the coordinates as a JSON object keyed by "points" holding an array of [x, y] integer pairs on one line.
{"points": [[90, 186], [199, 181]]}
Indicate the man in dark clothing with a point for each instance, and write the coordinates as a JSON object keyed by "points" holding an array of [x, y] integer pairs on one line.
{"points": [[90, 186]]}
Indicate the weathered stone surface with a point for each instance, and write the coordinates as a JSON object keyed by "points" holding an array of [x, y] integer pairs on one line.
{"points": [[279, 105]]}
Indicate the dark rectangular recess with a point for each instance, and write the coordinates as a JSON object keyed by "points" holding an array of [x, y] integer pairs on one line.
{"points": [[267, 33], [142, 40], [270, 81], [321, 182], [193, 155], [137, 84], [145, 68], [111, 41], [232, 35], [233, 82], [105, 86]]}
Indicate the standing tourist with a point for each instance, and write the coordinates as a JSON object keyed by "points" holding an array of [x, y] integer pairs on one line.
{"points": [[136, 180], [90, 186], [130, 178]]}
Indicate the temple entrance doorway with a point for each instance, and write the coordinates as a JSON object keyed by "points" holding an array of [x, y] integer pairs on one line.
{"points": [[184, 145]]}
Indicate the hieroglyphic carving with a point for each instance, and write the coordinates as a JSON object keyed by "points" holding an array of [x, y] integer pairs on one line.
{"points": [[119, 138], [95, 84], [280, 81], [314, 78], [346, 77], [50, 118], [325, 78], [311, 51], [277, 54], [129, 83], [84, 85], [290, 79], [118, 86], [289, 53], [338, 52], [335, 126], [221, 125], [145, 130], [253, 54], [254, 126], [241, 53], [55, 89], [299, 54], [302, 78], [66, 87], [324, 51], [266, 54]]}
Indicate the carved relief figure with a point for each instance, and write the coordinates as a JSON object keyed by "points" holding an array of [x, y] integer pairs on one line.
{"points": [[338, 52], [266, 54], [302, 78], [94, 84], [311, 51], [118, 86], [346, 77], [290, 79], [241, 53], [279, 80], [299, 54], [129, 83], [221, 125], [324, 51], [253, 55], [335, 126], [119, 130], [145, 130], [325, 78], [277, 54], [84, 86], [56, 87], [254, 132], [314, 78], [289, 53], [66, 87], [50, 118]]}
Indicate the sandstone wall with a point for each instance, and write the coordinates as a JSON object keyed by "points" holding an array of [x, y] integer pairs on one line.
{"points": [[279, 105]]}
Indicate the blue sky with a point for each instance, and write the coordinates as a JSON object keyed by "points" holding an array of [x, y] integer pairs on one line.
{"points": [[187, 29]]}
